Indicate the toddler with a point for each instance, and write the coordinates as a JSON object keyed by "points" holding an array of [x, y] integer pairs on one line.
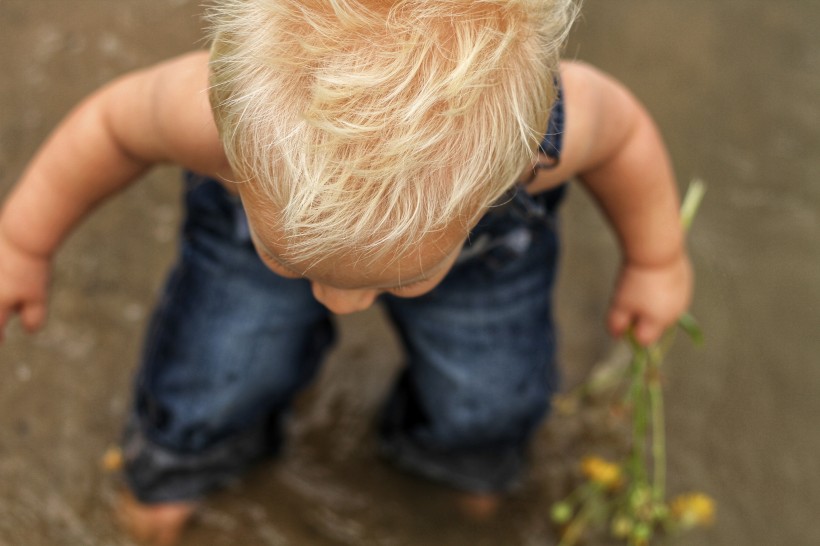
{"points": [[339, 153]]}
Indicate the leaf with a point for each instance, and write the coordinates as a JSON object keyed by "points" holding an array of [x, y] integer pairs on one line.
{"points": [[688, 324], [691, 202]]}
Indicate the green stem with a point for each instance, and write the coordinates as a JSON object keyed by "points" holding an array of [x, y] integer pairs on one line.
{"points": [[658, 427], [582, 494], [639, 412], [575, 528]]}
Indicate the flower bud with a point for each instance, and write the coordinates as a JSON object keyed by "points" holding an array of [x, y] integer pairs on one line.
{"points": [[561, 512]]}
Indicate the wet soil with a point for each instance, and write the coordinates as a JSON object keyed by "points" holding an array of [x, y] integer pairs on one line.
{"points": [[733, 85]]}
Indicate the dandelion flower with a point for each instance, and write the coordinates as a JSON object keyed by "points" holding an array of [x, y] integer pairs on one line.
{"points": [[693, 510], [112, 460], [601, 471]]}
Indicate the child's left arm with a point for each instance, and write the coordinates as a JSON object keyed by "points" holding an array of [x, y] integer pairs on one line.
{"points": [[612, 146]]}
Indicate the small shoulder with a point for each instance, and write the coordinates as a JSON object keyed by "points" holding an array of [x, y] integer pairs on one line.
{"points": [[573, 69], [183, 74], [183, 111], [552, 171], [596, 109], [584, 83]]}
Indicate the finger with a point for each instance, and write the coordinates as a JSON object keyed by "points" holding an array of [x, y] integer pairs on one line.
{"points": [[33, 315], [618, 322], [647, 331]]}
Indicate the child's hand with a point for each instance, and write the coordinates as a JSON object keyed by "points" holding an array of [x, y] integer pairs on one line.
{"points": [[650, 298], [24, 280]]}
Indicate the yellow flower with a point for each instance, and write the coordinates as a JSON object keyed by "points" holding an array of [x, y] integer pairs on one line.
{"points": [[693, 509], [112, 460], [601, 471], [621, 526]]}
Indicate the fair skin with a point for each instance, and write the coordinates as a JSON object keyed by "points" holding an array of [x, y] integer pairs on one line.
{"points": [[162, 115], [342, 283]]}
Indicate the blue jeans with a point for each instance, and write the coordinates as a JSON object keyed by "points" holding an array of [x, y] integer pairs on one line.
{"points": [[231, 343]]}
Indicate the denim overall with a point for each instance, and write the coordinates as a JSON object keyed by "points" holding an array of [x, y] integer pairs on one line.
{"points": [[231, 343]]}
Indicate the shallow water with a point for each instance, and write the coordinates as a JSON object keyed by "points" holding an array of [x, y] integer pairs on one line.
{"points": [[733, 85]]}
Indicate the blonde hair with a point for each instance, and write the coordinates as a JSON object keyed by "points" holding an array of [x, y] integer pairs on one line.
{"points": [[369, 124]]}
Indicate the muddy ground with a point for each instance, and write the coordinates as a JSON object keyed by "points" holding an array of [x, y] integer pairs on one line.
{"points": [[735, 87]]}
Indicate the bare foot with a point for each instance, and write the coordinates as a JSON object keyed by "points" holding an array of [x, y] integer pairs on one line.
{"points": [[156, 524], [478, 506]]}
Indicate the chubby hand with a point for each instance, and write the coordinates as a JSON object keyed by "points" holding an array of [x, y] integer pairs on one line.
{"points": [[650, 298], [24, 280]]}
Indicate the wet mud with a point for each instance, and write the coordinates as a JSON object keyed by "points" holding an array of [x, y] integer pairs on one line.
{"points": [[734, 87]]}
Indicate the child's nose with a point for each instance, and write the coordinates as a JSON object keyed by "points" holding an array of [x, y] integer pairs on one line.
{"points": [[343, 302]]}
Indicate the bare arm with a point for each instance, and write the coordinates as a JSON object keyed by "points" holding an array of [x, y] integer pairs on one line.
{"points": [[614, 149], [106, 143], [159, 114]]}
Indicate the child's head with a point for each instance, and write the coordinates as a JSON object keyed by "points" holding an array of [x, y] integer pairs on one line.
{"points": [[369, 125], [345, 284]]}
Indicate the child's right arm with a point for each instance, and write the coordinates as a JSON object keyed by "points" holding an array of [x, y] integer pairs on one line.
{"points": [[156, 115]]}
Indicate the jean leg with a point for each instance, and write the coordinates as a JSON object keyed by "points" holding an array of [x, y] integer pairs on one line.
{"points": [[480, 373], [229, 346]]}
